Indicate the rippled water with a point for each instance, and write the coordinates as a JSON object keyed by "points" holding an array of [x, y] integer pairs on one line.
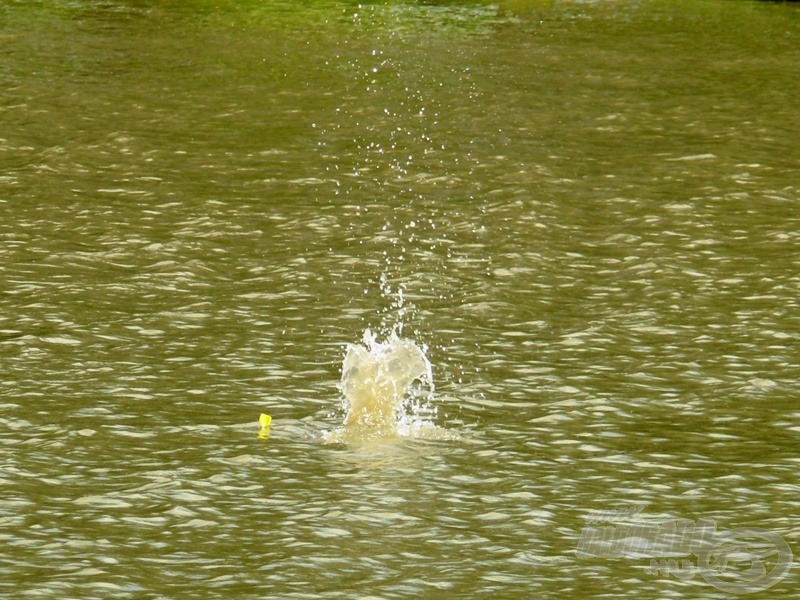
{"points": [[587, 212]]}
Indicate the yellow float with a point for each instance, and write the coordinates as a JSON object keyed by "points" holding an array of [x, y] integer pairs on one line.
{"points": [[265, 421]]}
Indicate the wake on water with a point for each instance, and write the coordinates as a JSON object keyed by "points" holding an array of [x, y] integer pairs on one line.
{"points": [[388, 391]]}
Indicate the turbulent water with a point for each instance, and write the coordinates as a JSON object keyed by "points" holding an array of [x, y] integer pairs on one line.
{"points": [[388, 392], [580, 219]]}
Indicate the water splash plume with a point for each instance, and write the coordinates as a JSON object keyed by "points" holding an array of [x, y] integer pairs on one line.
{"points": [[387, 387]]}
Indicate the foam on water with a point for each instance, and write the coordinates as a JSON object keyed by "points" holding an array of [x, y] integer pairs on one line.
{"points": [[388, 391]]}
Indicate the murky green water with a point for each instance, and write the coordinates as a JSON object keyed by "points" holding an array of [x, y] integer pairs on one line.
{"points": [[591, 209]]}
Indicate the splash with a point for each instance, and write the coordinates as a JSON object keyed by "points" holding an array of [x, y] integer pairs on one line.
{"points": [[388, 390]]}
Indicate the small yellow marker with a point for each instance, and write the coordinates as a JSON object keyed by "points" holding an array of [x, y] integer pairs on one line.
{"points": [[265, 421]]}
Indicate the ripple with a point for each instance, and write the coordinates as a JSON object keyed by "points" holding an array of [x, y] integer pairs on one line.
{"points": [[603, 274]]}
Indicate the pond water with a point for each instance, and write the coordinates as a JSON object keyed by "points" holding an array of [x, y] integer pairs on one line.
{"points": [[586, 213]]}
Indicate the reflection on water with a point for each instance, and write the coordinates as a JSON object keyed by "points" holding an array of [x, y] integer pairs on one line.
{"points": [[585, 213]]}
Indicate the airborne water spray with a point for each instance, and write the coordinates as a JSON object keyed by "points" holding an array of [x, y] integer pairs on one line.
{"points": [[382, 147]]}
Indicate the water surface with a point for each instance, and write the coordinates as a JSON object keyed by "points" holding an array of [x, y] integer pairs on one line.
{"points": [[586, 210]]}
